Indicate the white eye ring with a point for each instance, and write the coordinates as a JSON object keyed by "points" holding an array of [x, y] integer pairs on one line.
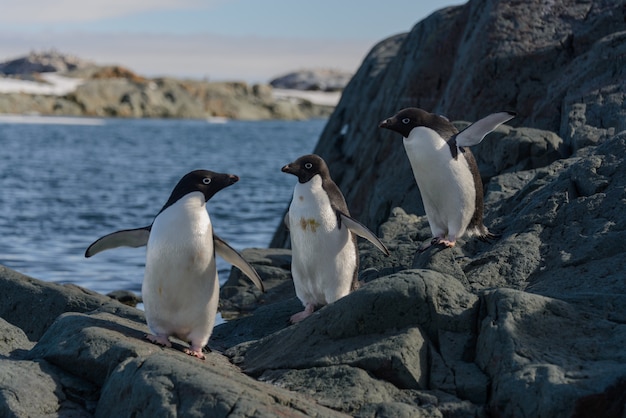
{"points": [[206, 180], [308, 166], [406, 121]]}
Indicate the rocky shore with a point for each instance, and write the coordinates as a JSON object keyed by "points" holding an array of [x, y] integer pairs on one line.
{"points": [[114, 91], [530, 325]]}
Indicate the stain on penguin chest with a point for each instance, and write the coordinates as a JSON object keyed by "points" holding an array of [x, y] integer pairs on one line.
{"points": [[309, 224], [310, 217]]}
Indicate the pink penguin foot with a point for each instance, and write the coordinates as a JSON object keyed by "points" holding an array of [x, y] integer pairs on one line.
{"points": [[195, 353], [308, 311], [446, 243], [162, 340]]}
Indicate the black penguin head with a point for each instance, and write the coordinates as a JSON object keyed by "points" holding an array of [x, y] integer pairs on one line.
{"points": [[306, 167], [204, 181], [405, 120]]}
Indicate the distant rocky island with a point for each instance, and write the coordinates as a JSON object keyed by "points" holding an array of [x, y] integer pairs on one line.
{"points": [[52, 83]]}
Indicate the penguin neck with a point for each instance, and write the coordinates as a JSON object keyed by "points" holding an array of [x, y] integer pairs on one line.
{"points": [[188, 210], [305, 193], [311, 206], [425, 147]]}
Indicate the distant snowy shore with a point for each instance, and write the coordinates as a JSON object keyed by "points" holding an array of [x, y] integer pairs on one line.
{"points": [[317, 97], [54, 85], [58, 85]]}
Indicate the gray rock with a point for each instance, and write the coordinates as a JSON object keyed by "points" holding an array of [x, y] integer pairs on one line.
{"points": [[238, 298], [97, 363], [37, 389], [12, 340], [137, 377], [33, 305], [390, 328], [518, 348], [466, 62], [321, 79], [42, 62]]}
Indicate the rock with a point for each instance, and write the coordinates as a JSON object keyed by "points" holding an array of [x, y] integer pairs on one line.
{"points": [[97, 363], [43, 62], [466, 62], [237, 297], [321, 79], [32, 305], [390, 328], [48, 393], [517, 348], [126, 297], [12, 339]]}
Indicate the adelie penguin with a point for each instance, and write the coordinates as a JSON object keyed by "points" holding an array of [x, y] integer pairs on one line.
{"points": [[180, 287], [325, 258], [445, 170]]}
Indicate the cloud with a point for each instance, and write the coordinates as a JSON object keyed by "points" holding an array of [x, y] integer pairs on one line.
{"points": [[46, 11], [204, 55]]}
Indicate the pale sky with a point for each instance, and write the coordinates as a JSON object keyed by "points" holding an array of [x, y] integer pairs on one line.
{"points": [[249, 40]]}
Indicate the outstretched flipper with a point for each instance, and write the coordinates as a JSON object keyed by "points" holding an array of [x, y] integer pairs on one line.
{"points": [[475, 133], [229, 254], [361, 230], [126, 238]]}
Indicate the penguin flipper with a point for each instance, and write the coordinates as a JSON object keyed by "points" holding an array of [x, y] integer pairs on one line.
{"points": [[286, 220], [475, 133], [229, 254], [361, 230], [125, 238]]}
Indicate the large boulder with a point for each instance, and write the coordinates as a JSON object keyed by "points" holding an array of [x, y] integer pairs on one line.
{"points": [[93, 360], [559, 65]]}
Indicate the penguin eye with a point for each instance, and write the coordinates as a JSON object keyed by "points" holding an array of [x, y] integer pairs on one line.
{"points": [[406, 121], [206, 180], [308, 166]]}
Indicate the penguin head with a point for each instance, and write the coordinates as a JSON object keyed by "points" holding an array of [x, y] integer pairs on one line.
{"points": [[306, 167], [405, 120], [204, 181]]}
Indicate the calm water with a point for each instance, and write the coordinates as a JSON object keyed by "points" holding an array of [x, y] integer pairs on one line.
{"points": [[65, 185]]}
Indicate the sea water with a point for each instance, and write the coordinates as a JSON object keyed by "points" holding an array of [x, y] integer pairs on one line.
{"points": [[66, 182]]}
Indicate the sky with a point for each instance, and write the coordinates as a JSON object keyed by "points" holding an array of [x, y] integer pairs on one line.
{"points": [[246, 40]]}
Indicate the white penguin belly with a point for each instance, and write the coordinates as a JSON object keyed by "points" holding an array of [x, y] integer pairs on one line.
{"points": [[446, 185], [323, 257], [180, 288]]}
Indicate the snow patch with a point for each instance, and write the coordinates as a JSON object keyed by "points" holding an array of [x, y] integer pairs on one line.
{"points": [[55, 85]]}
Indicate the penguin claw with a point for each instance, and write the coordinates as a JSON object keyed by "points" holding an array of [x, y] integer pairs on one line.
{"points": [[308, 311], [195, 353], [446, 243], [438, 240], [161, 340], [490, 236]]}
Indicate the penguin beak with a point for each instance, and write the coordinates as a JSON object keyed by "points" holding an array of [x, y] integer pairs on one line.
{"points": [[232, 179], [385, 124], [287, 169]]}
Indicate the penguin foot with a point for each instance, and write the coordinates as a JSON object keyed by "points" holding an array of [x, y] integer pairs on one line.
{"points": [[439, 241], [162, 340], [446, 243], [308, 311], [489, 236], [195, 353]]}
